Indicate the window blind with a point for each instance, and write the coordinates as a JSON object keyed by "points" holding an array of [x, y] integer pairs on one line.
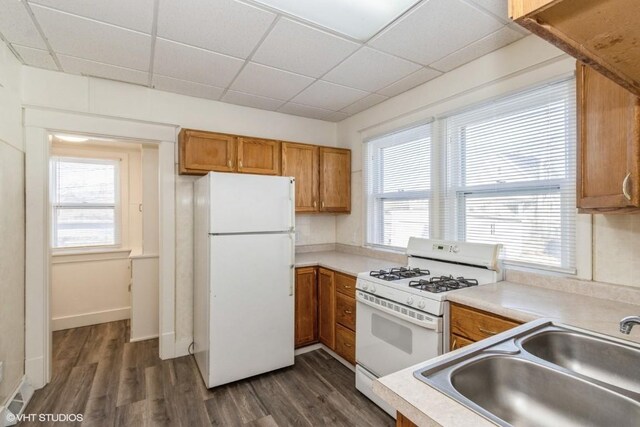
{"points": [[398, 185], [84, 196], [509, 176]]}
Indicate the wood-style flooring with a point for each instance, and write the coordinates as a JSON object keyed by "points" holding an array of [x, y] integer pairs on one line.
{"points": [[98, 373]]}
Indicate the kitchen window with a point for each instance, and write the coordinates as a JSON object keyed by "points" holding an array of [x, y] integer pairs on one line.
{"points": [[399, 186], [85, 202]]}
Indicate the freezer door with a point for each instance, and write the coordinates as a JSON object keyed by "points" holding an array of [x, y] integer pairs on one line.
{"points": [[252, 305], [243, 203]]}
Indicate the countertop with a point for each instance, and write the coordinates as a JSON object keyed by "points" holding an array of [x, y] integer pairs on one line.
{"points": [[427, 406], [343, 262]]}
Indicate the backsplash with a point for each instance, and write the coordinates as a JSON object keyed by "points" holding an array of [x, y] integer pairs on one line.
{"points": [[616, 249]]}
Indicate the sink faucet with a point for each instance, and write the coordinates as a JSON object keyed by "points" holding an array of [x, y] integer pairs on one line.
{"points": [[628, 323]]}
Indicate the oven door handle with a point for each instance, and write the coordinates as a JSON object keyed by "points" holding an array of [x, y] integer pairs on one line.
{"points": [[433, 322]]}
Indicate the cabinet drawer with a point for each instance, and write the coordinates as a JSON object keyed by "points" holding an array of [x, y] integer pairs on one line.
{"points": [[475, 325], [346, 285], [346, 311], [346, 344], [456, 342]]}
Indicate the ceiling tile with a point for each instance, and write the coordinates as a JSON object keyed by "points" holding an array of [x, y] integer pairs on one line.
{"points": [[193, 64], [182, 87], [421, 76], [337, 116], [270, 82], [329, 96], [36, 57], [293, 46], [96, 69], [434, 30], [305, 111], [16, 25], [497, 7], [135, 15], [364, 103], [370, 70], [249, 100], [224, 26], [493, 41], [88, 39]]}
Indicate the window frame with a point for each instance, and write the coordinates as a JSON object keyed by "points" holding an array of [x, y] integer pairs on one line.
{"points": [[93, 158]]}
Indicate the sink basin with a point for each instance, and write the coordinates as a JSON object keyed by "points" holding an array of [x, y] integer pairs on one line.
{"points": [[543, 374], [550, 397], [596, 358]]}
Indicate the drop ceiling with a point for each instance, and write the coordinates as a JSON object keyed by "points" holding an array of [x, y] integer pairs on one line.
{"points": [[243, 52]]}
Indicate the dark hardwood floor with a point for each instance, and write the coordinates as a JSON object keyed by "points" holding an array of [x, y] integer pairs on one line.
{"points": [[98, 373]]}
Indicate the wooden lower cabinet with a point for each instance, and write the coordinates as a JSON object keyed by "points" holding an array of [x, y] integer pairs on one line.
{"points": [[402, 421], [327, 308], [346, 311], [346, 344], [456, 342], [306, 307], [468, 325]]}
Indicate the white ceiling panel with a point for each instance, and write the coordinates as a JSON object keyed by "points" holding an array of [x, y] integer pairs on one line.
{"points": [[133, 14], [370, 70], [435, 29], [249, 100], [329, 96], [182, 87], [193, 64], [421, 76], [493, 41], [36, 57], [303, 45], [337, 116], [497, 7], [224, 26], [84, 38], [270, 82], [16, 25], [305, 111], [96, 69], [364, 103]]}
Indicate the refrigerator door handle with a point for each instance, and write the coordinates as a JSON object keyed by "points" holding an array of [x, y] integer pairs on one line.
{"points": [[292, 197], [292, 281]]}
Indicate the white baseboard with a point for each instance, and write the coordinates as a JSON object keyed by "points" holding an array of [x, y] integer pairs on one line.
{"points": [[168, 345], [307, 349], [332, 353], [149, 337], [86, 319]]}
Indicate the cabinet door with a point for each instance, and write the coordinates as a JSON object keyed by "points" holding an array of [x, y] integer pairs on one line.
{"points": [[456, 342], [346, 344], [335, 180], [301, 162], [327, 305], [608, 143], [306, 306], [259, 156], [201, 152]]}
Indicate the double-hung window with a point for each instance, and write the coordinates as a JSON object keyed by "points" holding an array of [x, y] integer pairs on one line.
{"points": [[398, 186], [85, 202], [510, 176]]}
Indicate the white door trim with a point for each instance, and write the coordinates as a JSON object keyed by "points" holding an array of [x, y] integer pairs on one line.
{"points": [[39, 123]]}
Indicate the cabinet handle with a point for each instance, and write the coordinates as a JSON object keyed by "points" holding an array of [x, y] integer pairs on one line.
{"points": [[315, 204], [453, 344], [323, 205], [347, 286], [348, 345], [229, 163], [347, 311], [486, 331], [625, 187], [240, 164]]}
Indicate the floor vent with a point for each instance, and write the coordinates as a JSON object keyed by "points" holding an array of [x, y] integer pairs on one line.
{"points": [[9, 415]]}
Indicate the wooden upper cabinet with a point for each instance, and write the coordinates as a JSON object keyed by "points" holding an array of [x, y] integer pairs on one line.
{"points": [[335, 180], [306, 307], [603, 34], [301, 162], [608, 144], [327, 308], [258, 156], [201, 152]]}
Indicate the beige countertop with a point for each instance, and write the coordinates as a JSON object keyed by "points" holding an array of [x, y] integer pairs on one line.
{"points": [[426, 406], [343, 262]]}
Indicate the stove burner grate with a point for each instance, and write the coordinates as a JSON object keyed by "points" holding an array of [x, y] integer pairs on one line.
{"points": [[398, 273], [442, 284]]}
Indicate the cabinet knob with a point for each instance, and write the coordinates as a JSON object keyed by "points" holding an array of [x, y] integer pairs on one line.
{"points": [[229, 163], [322, 204], [240, 164], [625, 186], [315, 204], [347, 311]]}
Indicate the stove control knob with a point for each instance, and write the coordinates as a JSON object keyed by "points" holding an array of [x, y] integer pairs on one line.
{"points": [[365, 286], [455, 249], [410, 301], [373, 289], [421, 304]]}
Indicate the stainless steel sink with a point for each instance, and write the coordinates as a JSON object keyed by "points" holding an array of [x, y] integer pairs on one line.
{"points": [[543, 374]]}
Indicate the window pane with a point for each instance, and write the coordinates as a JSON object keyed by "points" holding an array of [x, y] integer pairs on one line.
{"points": [[84, 227], [529, 226], [85, 182], [403, 219], [405, 167]]}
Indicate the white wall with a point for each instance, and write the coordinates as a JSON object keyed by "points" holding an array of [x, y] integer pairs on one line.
{"points": [[90, 95], [616, 239], [12, 217]]}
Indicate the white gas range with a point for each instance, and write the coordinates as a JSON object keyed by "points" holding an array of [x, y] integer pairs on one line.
{"points": [[402, 317]]}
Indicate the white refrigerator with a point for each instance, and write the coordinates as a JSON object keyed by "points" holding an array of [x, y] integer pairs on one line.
{"points": [[244, 246]]}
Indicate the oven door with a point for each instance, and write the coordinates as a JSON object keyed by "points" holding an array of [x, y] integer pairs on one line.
{"points": [[388, 341]]}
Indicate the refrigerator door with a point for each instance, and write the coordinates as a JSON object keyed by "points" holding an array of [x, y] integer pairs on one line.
{"points": [[252, 305], [242, 203]]}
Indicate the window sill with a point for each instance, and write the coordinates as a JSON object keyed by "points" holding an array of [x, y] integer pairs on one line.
{"points": [[86, 255]]}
